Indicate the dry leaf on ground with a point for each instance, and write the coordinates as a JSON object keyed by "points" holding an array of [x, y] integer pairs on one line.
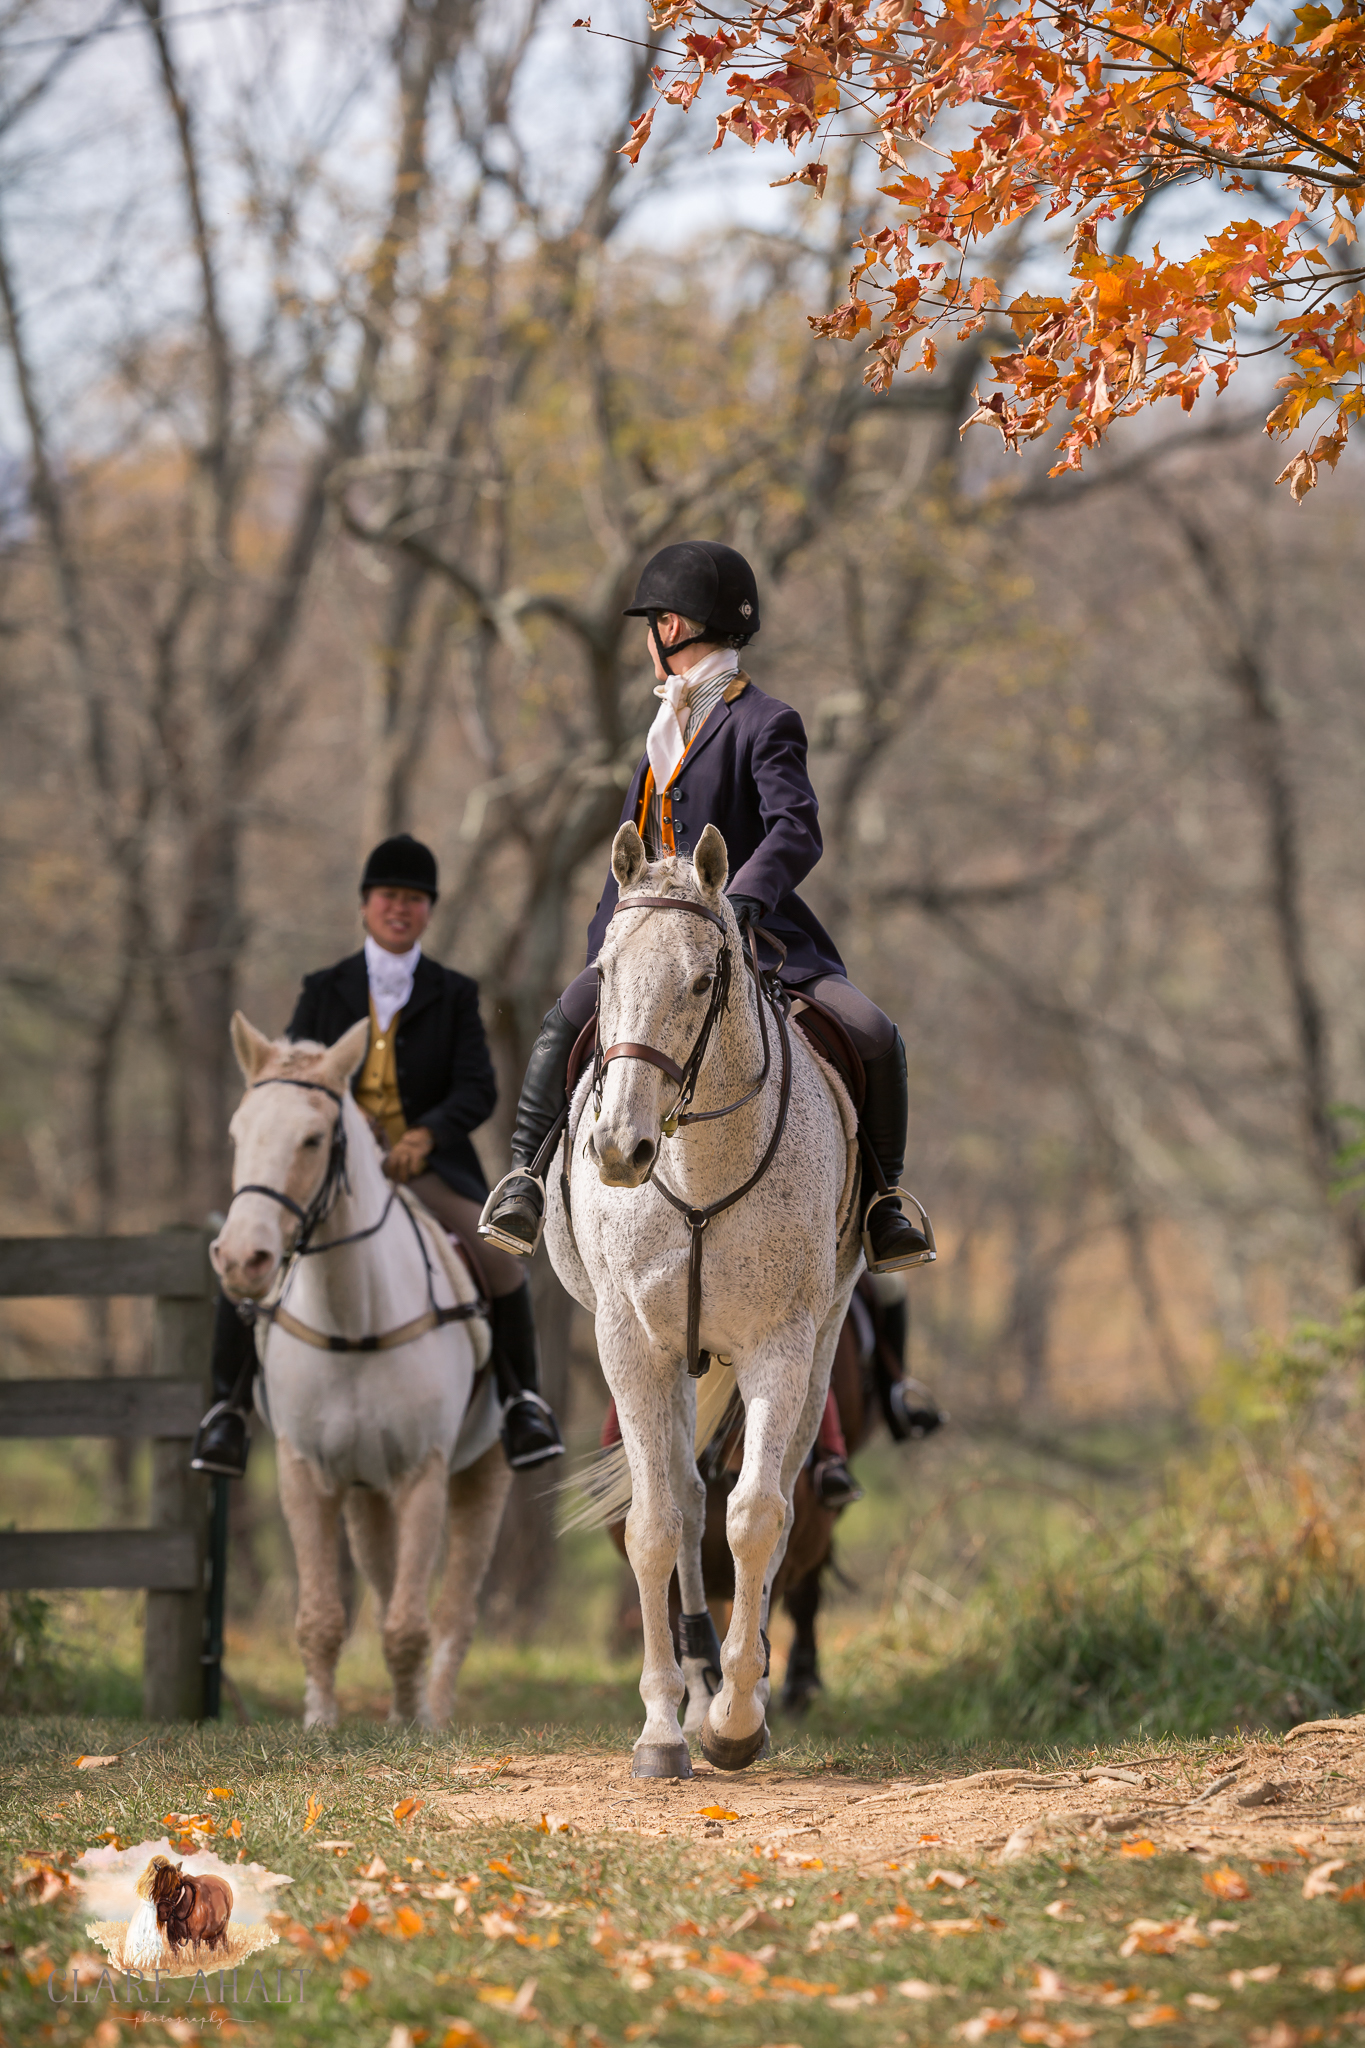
{"points": [[405, 1809], [314, 1812], [1155, 2016], [1318, 1883], [1226, 1883], [823, 1929], [94, 1763]]}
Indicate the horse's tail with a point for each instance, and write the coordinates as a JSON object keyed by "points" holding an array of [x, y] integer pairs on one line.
{"points": [[598, 1493]]}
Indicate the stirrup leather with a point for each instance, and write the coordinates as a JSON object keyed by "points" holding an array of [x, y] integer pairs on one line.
{"points": [[925, 1258], [504, 1239]]}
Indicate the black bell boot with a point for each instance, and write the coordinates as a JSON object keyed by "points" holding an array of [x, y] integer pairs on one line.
{"points": [[514, 1213], [530, 1433], [223, 1440], [890, 1239]]}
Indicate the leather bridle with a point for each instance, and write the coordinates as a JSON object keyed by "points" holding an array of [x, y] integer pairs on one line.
{"points": [[685, 1077], [334, 1179]]}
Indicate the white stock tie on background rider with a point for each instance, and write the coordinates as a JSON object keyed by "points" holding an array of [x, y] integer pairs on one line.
{"points": [[667, 741], [391, 977]]}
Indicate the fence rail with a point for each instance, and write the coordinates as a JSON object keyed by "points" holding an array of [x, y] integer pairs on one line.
{"points": [[179, 1559]]}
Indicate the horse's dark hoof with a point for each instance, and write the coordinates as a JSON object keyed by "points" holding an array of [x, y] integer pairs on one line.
{"points": [[661, 1760], [730, 1755]]}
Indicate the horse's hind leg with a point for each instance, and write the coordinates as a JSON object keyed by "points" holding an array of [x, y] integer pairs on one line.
{"points": [[802, 1682], [777, 1390], [644, 1389], [320, 1622], [476, 1499]]}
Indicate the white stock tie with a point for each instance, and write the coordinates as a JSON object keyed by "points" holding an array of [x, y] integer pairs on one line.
{"points": [[665, 744]]}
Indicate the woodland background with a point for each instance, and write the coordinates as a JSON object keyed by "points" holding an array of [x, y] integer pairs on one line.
{"points": [[351, 376]]}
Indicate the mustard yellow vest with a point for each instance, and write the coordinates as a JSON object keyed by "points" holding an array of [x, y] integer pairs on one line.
{"points": [[376, 1088]]}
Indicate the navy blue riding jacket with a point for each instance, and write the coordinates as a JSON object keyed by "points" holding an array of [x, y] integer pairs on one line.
{"points": [[745, 773]]}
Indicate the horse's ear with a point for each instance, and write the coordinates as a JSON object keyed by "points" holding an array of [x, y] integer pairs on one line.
{"points": [[344, 1057], [251, 1046], [627, 856], [711, 861]]}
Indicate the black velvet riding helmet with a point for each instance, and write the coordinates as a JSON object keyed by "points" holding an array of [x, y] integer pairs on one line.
{"points": [[401, 863], [702, 580]]}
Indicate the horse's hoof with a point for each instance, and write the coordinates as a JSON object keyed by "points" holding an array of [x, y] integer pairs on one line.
{"points": [[661, 1760], [729, 1754]]}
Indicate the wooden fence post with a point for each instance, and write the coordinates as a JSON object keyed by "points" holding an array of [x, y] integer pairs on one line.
{"points": [[172, 1671]]}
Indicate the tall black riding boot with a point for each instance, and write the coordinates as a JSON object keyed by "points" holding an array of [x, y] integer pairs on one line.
{"points": [[530, 1433], [910, 1408], [891, 1240], [515, 1212], [222, 1441]]}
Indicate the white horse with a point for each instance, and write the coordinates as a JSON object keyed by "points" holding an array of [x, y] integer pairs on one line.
{"points": [[777, 1266], [374, 1378]]}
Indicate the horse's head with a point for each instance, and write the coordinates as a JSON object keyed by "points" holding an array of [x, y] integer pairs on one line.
{"points": [[283, 1141], [657, 983], [159, 1882]]}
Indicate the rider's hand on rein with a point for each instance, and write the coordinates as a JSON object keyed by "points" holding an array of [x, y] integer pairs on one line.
{"points": [[408, 1158]]}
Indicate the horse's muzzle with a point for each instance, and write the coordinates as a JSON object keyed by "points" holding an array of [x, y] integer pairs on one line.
{"points": [[247, 1272], [624, 1159]]}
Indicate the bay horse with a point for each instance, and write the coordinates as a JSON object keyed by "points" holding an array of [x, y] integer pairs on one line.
{"points": [[700, 1212], [374, 1373]]}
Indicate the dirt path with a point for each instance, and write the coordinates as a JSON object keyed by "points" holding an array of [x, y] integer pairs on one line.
{"points": [[1305, 1796]]}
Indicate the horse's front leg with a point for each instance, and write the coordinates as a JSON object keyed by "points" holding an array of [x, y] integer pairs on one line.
{"points": [[644, 1385], [776, 1390], [419, 1506], [311, 1512], [700, 1643]]}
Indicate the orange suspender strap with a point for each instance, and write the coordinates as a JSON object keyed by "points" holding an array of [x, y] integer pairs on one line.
{"points": [[665, 807]]}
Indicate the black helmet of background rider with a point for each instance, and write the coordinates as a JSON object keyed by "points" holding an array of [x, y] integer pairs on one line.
{"points": [[701, 580]]}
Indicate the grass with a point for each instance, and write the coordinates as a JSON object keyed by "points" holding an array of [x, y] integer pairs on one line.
{"points": [[575, 1914]]}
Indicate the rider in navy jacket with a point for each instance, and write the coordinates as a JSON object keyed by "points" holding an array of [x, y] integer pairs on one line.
{"points": [[746, 773], [721, 752]]}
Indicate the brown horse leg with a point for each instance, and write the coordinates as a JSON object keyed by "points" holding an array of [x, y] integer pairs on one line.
{"points": [[802, 1602]]}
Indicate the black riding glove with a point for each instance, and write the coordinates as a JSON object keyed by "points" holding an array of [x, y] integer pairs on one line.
{"points": [[748, 910]]}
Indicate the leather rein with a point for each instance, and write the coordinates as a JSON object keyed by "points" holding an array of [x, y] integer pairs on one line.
{"points": [[334, 1179], [685, 1077]]}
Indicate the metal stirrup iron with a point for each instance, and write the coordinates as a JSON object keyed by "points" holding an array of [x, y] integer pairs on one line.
{"points": [[506, 1240], [924, 1258]]}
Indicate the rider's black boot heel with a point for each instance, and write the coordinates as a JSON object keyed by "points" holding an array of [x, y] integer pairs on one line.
{"points": [[514, 1214]]}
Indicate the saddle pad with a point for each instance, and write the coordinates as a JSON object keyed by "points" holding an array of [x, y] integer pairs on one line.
{"points": [[829, 1038]]}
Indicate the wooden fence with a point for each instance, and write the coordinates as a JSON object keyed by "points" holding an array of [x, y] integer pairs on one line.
{"points": [[178, 1559]]}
